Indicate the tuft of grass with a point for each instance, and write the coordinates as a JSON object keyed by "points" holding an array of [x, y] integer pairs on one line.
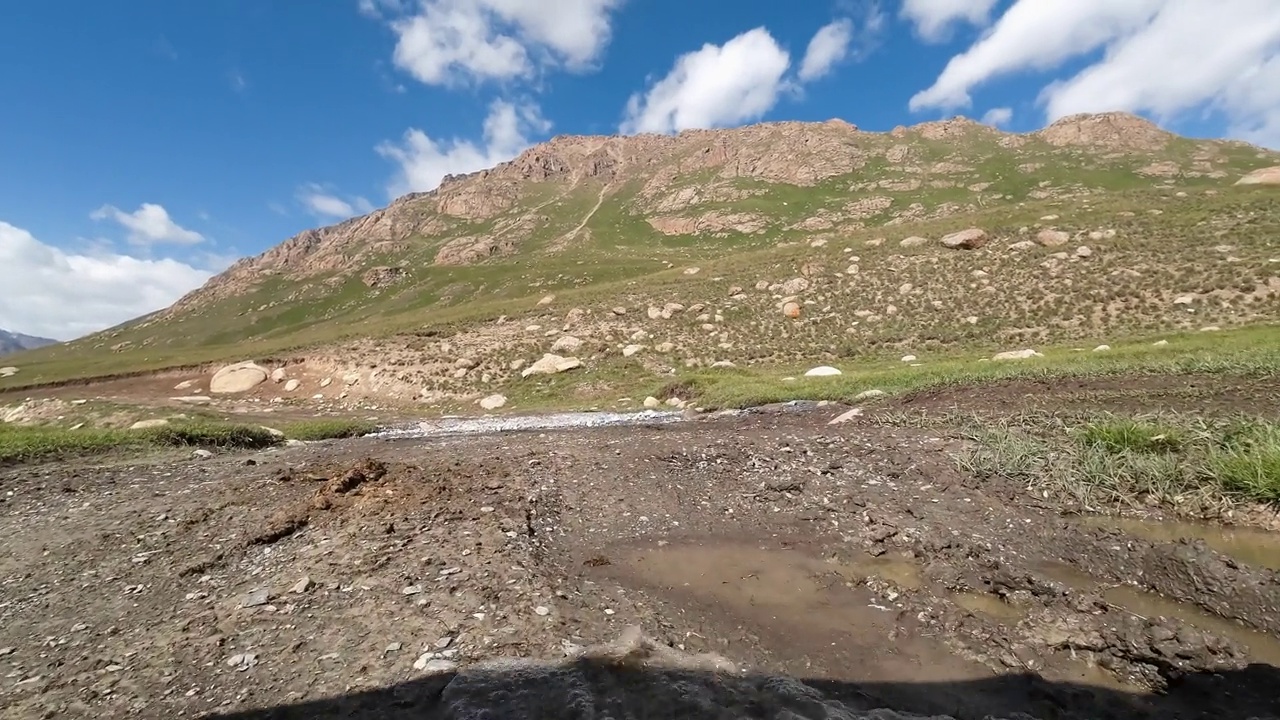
{"points": [[327, 429], [1119, 435], [27, 443]]}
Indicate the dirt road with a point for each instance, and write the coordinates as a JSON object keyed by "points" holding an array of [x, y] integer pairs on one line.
{"points": [[334, 580]]}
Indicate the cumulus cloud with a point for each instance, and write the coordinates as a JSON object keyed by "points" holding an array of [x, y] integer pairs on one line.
{"points": [[424, 161], [715, 86], [1155, 59], [829, 46], [321, 202], [54, 293], [934, 18], [442, 42], [999, 117], [150, 224]]}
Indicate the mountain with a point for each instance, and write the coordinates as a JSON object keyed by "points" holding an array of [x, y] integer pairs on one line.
{"points": [[687, 247], [11, 342]]}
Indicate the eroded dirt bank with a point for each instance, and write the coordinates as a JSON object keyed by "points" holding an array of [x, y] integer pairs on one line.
{"points": [[338, 580]]}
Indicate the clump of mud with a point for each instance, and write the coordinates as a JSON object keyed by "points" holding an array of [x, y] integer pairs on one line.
{"points": [[632, 678]]}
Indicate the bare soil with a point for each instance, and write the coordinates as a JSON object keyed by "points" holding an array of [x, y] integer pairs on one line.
{"points": [[331, 580]]}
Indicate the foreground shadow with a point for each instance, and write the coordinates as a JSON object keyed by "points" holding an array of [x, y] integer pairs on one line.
{"points": [[596, 689]]}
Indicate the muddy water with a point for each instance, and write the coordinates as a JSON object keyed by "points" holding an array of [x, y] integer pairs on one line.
{"points": [[989, 605], [1261, 646], [1250, 546]]}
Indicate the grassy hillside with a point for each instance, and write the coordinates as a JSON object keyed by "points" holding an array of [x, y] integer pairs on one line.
{"points": [[1171, 246]]}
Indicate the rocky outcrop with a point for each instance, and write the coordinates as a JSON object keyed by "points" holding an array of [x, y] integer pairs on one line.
{"points": [[237, 378], [970, 239], [1106, 131], [551, 364], [1264, 176]]}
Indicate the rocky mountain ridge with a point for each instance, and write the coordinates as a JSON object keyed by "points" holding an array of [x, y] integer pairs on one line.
{"points": [[12, 342], [660, 178]]}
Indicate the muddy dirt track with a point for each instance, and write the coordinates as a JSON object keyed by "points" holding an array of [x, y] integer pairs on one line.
{"points": [[337, 580]]}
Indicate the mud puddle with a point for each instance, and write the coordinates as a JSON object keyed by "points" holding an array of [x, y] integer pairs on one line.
{"points": [[1250, 546], [1261, 647], [816, 609]]}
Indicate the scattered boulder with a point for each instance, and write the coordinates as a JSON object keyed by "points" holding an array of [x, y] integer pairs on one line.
{"points": [[823, 371], [1184, 300], [846, 416], [794, 286], [379, 277], [149, 424], [292, 385], [1160, 343], [692, 270], [791, 310], [566, 343], [1053, 238], [1263, 176], [326, 382], [547, 300], [630, 350], [908, 358], [551, 364], [9, 371], [1084, 251], [1026, 354], [619, 310], [914, 241], [1102, 348], [723, 364], [237, 378], [277, 375], [869, 394], [184, 384], [652, 403], [493, 402], [1022, 245], [970, 239], [193, 399], [665, 347]]}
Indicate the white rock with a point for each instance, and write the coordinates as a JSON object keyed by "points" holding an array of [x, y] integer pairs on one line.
{"points": [[193, 399], [1026, 354], [302, 586], [542, 611], [1083, 251], [493, 402], [237, 378], [277, 375], [823, 371], [692, 271], [201, 454], [723, 364], [1210, 328], [292, 385], [652, 403], [847, 416], [619, 310], [566, 343], [550, 364], [1160, 343], [1184, 300], [908, 358], [1102, 348], [326, 382], [180, 386], [869, 394], [970, 239], [630, 350], [148, 424], [913, 241]]}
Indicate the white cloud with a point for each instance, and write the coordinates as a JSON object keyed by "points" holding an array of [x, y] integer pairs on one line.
{"points": [[321, 202], [829, 46], [716, 86], [54, 293], [447, 41], [934, 18], [999, 117], [424, 161], [1157, 58], [149, 224]]}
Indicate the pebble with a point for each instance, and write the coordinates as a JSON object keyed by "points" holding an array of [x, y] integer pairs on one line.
{"points": [[411, 590], [433, 665], [393, 647], [542, 610], [302, 585], [444, 642], [451, 571], [202, 454], [242, 661]]}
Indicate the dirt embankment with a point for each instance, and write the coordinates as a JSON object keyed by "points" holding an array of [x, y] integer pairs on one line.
{"points": [[354, 579]]}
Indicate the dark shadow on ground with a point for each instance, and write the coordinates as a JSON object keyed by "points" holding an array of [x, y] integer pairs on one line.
{"points": [[591, 689]]}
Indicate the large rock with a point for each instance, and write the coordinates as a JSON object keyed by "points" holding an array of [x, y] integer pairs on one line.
{"points": [[566, 343], [8, 371], [1026, 354], [794, 286], [493, 402], [1053, 238], [237, 378], [292, 385], [1264, 176], [913, 241], [970, 239], [278, 375], [823, 371], [551, 364]]}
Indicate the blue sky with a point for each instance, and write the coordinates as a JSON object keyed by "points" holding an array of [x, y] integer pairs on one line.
{"points": [[149, 143]]}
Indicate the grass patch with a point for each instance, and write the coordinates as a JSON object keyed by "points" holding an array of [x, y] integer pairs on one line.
{"points": [[1188, 463], [327, 429]]}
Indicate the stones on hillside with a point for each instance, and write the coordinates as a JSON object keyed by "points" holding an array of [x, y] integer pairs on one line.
{"points": [[665, 347], [1022, 245], [237, 378], [874, 242], [149, 424], [546, 300], [970, 239], [1184, 300], [735, 290], [619, 310], [292, 385], [1102, 348], [652, 403], [184, 385], [869, 394], [846, 416], [630, 350], [351, 378], [1084, 251], [1053, 238], [1026, 354], [326, 382], [723, 364], [493, 402], [791, 310], [193, 399], [1210, 328], [908, 358], [1096, 235], [566, 343], [823, 371], [551, 364], [1262, 176], [913, 241], [8, 371], [692, 270], [1160, 343], [794, 286], [277, 375]]}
